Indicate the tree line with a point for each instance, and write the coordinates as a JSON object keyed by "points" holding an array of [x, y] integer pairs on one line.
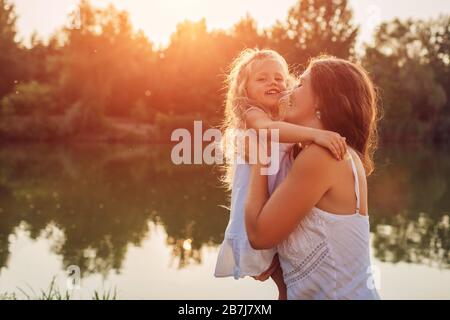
{"points": [[97, 73]]}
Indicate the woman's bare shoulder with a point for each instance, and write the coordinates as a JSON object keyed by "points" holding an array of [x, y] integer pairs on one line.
{"points": [[316, 154], [315, 158]]}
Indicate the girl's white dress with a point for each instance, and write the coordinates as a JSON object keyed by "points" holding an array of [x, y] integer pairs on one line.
{"points": [[236, 256]]}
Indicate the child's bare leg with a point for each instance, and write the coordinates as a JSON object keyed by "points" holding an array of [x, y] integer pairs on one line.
{"points": [[277, 277], [276, 273]]}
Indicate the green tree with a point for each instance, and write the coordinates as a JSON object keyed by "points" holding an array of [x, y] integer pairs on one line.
{"points": [[30, 98], [314, 27], [409, 62], [190, 69], [246, 35], [9, 48], [104, 64]]}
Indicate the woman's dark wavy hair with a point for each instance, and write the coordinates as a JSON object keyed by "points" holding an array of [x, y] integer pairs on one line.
{"points": [[348, 103]]}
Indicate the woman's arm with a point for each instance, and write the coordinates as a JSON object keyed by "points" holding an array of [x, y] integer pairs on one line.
{"points": [[292, 133], [271, 220]]}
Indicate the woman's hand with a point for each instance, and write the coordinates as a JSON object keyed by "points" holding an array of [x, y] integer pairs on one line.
{"points": [[332, 141]]}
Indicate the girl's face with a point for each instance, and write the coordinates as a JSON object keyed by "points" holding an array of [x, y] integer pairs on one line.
{"points": [[303, 106], [266, 83]]}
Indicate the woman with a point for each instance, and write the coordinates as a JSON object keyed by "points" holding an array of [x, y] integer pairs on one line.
{"points": [[317, 217]]}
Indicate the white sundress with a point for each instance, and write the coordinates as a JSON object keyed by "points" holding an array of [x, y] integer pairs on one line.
{"points": [[327, 256], [236, 257]]}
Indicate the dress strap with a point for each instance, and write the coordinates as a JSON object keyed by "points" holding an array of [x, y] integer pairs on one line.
{"points": [[251, 107], [355, 174]]}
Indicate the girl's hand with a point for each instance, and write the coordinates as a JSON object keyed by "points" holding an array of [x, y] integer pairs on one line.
{"points": [[332, 141]]}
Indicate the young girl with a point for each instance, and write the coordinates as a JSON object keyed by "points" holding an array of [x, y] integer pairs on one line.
{"points": [[256, 82]]}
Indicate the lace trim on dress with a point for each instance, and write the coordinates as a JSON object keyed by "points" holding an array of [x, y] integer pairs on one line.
{"points": [[308, 265]]}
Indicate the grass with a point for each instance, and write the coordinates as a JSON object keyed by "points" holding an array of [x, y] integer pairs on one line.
{"points": [[107, 295], [55, 293]]}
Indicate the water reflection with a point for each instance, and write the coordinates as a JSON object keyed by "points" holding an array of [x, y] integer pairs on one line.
{"points": [[94, 201], [103, 198], [410, 206]]}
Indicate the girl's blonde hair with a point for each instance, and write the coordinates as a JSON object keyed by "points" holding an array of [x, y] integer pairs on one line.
{"points": [[237, 100]]}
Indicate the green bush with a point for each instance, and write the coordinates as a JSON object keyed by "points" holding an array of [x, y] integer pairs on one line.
{"points": [[29, 98], [442, 130]]}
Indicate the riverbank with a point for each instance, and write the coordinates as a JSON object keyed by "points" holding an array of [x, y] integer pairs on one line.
{"points": [[68, 128], [60, 128]]}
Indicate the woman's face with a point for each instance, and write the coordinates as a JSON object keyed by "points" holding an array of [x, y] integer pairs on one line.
{"points": [[303, 106], [266, 83]]}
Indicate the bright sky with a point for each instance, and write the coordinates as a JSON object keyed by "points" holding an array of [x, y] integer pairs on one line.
{"points": [[158, 18]]}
